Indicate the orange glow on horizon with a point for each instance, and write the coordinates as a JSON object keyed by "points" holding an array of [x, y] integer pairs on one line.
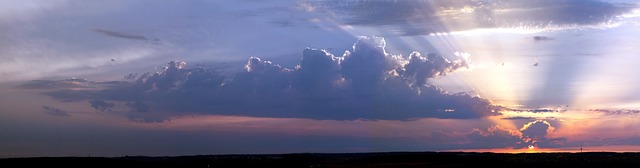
{"points": [[616, 148]]}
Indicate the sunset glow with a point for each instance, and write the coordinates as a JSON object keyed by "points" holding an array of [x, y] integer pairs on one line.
{"points": [[113, 78]]}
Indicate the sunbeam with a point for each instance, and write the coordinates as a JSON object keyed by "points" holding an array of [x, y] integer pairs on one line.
{"points": [[161, 78]]}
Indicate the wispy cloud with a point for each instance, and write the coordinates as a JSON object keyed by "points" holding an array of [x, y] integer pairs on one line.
{"points": [[101, 105], [536, 110], [121, 34], [417, 17], [55, 112], [617, 111], [56, 84], [72, 84]]}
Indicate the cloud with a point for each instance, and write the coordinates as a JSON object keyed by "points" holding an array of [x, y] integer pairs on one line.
{"points": [[139, 106], [66, 39], [617, 111], [56, 84], [495, 137], [518, 118], [416, 17], [126, 36], [55, 112], [536, 133], [72, 83], [542, 38], [422, 68], [101, 105], [121, 35], [364, 83], [535, 110]]}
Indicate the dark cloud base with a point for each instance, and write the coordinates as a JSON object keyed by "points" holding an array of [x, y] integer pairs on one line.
{"points": [[364, 83], [533, 134]]}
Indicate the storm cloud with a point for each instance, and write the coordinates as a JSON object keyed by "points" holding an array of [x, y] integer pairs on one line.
{"points": [[364, 83]]}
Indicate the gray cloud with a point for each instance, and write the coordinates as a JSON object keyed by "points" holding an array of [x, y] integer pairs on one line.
{"points": [[542, 38], [56, 84], [518, 118], [617, 111], [101, 105], [495, 137], [120, 34], [535, 110], [414, 17], [123, 35], [422, 68], [55, 112], [139, 106], [73, 83], [533, 133], [365, 82]]}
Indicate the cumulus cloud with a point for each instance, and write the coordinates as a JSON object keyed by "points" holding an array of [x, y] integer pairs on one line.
{"points": [[365, 82], [55, 112], [413, 17], [495, 137], [422, 68], [536, 133]]}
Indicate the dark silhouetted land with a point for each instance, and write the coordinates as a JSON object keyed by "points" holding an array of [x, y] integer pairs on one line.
{"points": [[393, 159]]}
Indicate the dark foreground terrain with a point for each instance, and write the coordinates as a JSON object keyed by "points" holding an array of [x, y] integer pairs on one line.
{"points": [[394, 159]]}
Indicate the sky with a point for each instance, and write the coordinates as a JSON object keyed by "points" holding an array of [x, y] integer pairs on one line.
{"points": [[169, 78]]}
